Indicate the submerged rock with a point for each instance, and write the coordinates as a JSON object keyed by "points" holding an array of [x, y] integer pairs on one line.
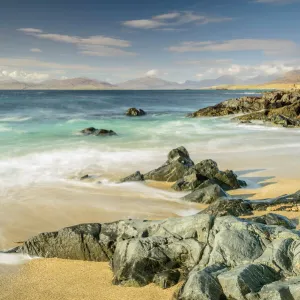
{"points": [[135, 112], [97, 132], [174, 168]]}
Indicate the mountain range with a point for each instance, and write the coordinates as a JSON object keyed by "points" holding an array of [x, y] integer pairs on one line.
{"points": [[147, 83]]}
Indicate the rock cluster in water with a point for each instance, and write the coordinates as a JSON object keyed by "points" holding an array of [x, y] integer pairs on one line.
{"points": [[279, 108], [97, 132], [135, 112], [205, 181]]}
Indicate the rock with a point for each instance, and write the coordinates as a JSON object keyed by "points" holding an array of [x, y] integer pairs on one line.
{"points": [[174, 168], [137, 176], [84, 177], [208, 169], [134, 112], [280, 108], [97, 132], [206, 195], [233, 207], [167, 278], [273, 219], [242, 280], [279, 290], [136, 261], [202, 284]]}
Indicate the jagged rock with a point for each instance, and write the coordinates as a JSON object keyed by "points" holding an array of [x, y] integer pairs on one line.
{"points": [[206, 195], [97, 132], [167, 278], [233, 207], [174, 168], [280, 108], [202, 284], [242, 280], [273, 219], [137, 176], [208, 169], [84, 177], [136, 261], [135, 112], [279, 290]]}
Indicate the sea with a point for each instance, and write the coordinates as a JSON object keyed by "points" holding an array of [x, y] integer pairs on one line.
{"points": [[41, 149]]}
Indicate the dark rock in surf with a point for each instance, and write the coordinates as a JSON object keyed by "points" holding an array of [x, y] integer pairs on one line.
{"points": [[97, 132], [135, 112], [174, 168], [137, 176]]}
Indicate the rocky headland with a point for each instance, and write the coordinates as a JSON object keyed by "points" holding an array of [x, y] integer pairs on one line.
{"points": [[280, 108]]}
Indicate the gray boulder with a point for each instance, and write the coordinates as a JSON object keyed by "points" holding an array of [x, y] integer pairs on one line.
{"points": [[273, 219], [202, 284], [206, 195], [242, 280], [174, 168], [167, 278]]}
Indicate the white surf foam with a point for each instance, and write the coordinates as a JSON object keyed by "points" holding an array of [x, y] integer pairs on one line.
{"points": [[13, 258], [15, 119]]}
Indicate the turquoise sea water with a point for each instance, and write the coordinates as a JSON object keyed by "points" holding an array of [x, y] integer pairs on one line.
{"points": [[40, 140]]}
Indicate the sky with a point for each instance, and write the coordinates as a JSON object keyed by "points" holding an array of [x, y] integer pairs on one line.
{"points": [[175, 40]]}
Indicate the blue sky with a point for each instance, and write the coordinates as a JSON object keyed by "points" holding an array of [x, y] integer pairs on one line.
{"points": [[175, 40]]}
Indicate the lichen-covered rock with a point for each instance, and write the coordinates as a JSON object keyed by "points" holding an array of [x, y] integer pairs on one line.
{"points": [[97, 132], [242, 280], [174, 168], [167, 278], [137, 176], [135, 112]]}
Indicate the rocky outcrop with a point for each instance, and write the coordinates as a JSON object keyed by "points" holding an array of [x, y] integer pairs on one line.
{"points": [[217, 257], [273, 219], [97, 132], [135, 112], [279, 108], [174, 168]]}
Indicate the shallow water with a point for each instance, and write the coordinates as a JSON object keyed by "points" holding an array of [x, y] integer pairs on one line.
{"points": [[42, 156]]}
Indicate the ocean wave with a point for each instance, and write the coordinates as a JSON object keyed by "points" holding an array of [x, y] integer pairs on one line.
{"points": [[15, 119]]}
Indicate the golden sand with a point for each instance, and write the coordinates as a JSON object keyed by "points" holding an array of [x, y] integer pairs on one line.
{"points": [[57, 279]]}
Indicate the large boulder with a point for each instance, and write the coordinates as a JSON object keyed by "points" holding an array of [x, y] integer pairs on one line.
{"points": [[174, 168], [202, 284], [242, 280], [206, 194], [97, 132], [135, 112], [234, 207], [273, 219]]}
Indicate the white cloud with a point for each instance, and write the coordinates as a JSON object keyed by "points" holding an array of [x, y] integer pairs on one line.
{"points": [[37, 50], [173, 19], [88, 43], [152, 73], [268, 46], [24, 76]]}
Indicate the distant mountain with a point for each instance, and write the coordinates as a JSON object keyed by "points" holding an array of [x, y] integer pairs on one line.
{"points": [[260, 79], [79, 83], [292, 77], [148, 83], [8, 83]]}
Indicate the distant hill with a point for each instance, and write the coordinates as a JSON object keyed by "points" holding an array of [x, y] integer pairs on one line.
{"points": [[292, 77], [79, 83], [149, 83], [8, 83]]}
